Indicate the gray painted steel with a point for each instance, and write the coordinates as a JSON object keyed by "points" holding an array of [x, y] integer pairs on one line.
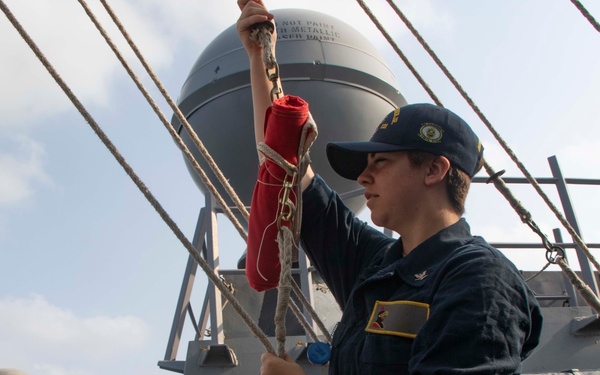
{"points": [[563, 193], [332, 66], [570, 338], [569, 341], [349, 89]]}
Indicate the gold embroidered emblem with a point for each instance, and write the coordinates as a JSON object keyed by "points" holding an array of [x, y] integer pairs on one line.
{"points": [[396, 114], [431, 132]]}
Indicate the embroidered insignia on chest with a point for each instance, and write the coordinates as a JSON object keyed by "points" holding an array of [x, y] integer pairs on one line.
{"points": [[421, 276]]}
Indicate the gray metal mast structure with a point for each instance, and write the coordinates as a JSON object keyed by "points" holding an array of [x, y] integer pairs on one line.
{"points": [[348, 87]]}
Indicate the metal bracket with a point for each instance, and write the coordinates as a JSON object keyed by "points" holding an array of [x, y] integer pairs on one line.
{"points": [[589, 326], [175, 366], [298, 353], [217, 356]]}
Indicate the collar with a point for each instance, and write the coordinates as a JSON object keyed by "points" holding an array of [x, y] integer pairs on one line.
{"points": [[414, 267]]}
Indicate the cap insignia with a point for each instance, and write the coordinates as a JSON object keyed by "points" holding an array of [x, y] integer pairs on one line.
{"points": [[430, 132], [396, 114]]}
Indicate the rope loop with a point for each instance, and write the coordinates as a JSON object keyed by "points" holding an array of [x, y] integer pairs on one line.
{"points": [[285, 239]]}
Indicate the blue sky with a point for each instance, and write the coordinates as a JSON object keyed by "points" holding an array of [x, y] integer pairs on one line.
{"points": [[89, 274]]}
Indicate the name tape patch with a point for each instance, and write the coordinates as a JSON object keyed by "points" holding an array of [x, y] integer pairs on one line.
{"points": [[399, 318]]}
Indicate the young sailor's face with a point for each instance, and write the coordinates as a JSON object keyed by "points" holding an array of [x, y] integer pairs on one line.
{"points": [[392, 186]]}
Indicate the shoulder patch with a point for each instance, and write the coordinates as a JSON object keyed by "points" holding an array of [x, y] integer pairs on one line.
{"points": [[398, 318]]}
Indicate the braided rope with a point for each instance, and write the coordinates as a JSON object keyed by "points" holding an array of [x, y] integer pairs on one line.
{"points": [[584, 290], [311, 311], [287, 237], [586, 14], [303, 322], [501, 186], [290, 169], [499, 138], [399, 52], [309, 134], [262, 36], [138, 182], [274, 156], [180, 116], [166, 123], [286, 243], [300, 170], [586, 293]]}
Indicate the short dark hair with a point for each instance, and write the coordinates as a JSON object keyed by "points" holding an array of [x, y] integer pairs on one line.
{"points": [[457, 183]]}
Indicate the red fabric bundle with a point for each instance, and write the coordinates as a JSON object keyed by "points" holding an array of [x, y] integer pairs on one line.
{"points": [[284, 123]]}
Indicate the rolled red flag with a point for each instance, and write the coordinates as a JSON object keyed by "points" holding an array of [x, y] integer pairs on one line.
{"points": [[284, 124]]}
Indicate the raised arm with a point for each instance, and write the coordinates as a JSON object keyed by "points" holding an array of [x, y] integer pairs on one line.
{"points": [[253, 12]]}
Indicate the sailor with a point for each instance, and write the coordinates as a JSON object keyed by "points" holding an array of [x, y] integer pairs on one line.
{"points": [[451, 302]]}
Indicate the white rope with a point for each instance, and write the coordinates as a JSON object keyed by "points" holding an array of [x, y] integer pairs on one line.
{"points": [[139, 183], [286, 242], [261, 35], [498, 182], [180, 116], [210, 186], [287, 238], [492, 130], [584, 291]]}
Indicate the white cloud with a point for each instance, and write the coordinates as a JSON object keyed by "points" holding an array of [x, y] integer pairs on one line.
{"points": [[21, 167], [42, 338], [48, 369], [77, 51]]}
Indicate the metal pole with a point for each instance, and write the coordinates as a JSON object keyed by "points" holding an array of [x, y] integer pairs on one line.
{"points": [[212, 258], [186, 291], [569, 288], [561, 185]]}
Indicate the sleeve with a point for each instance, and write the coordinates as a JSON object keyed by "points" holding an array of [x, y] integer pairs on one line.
{"points": [[337, 243], [483, 320]]}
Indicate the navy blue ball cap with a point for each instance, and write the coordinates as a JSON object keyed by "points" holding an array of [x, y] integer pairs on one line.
{"points": [[423, 127]]}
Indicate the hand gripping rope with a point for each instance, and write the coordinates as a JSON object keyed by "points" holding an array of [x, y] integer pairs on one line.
{"points": [[276, 209]]}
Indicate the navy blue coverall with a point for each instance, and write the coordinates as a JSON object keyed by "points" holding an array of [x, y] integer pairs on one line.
{"points": [[456, 304]]}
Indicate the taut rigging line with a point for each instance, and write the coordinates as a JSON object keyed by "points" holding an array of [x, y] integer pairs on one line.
{"points": [[139, 183], [584, 290]]}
